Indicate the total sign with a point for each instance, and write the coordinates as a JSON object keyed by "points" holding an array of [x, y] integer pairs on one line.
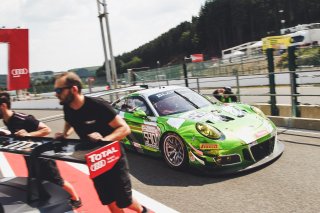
{"points": [[103, 159]]}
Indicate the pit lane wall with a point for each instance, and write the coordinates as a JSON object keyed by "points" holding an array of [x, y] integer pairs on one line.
{"points": [[310, 116]]}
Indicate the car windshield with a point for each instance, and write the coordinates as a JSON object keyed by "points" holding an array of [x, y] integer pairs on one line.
{"points": [[177, 101]]}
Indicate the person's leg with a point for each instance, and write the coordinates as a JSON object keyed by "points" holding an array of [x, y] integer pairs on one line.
{"points": [[114, 208], [52, 174], [135, 206], [70, 189]]}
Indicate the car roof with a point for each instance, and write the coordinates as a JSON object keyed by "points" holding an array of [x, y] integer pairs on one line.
{"points": [[151, 91]]}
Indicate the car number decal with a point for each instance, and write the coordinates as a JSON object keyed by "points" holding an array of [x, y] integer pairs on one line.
{"points": [[151, 136]]}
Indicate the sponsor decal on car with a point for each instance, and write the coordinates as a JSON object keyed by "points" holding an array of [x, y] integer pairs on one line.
{"points": [[196, 158], [246, 134], [191, 157], [21, 145], [175, 122], [233, 111], [159, 95], [261, 133], [197, 116], [206, 146]]}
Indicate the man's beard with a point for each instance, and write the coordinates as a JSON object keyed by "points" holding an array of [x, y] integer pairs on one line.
{"points": [[69, 98]]}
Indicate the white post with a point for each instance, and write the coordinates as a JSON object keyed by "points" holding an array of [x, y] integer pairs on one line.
{"points": [[107, 67], [113, 64]]}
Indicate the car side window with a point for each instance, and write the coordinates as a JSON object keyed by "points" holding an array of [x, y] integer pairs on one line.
{"points": [[131, 103], [118, 105], [138, 102]]}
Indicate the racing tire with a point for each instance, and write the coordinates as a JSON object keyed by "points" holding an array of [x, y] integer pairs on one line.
{"points": [[174, 151]]}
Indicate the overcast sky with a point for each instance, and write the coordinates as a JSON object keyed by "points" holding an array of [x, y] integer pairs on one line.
{"points": [[65, 34]]}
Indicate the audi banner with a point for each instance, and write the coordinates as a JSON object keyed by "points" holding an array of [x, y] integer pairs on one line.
{"points": [[18, 66]]}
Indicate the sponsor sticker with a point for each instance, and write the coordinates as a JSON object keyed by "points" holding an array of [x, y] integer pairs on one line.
{"points": [[205, 146], [261, 133], [191, 157], [233, 111], [175, 122], [103, 159], [159, 95], [20, 145], [246, 134]]}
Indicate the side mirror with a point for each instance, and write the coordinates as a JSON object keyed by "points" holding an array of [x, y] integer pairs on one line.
{"points": [[139, 113]]}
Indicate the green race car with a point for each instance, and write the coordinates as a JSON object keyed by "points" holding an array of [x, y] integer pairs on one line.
{"points": [[187, 129]]}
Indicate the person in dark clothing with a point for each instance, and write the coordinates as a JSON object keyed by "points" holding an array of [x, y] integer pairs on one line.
{"points": [[225, 95], [22, 125], [93, 119]]}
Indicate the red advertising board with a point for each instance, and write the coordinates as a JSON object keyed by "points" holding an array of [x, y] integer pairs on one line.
{"points": [[197, 57], [18, 66], [103, 159]]}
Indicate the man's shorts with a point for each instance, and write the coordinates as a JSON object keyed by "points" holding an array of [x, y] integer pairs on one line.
{"points": [[115, 185], [48, 170]]}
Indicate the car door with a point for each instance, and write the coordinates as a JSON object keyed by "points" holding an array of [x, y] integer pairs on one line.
{"points": [[145, 134]]}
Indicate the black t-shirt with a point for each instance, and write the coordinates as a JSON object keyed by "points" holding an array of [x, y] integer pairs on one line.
{"points": [[20, 121], [93, 116]]}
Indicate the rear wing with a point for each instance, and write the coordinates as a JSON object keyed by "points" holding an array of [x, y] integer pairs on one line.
{"points": [[71, 150], [99, 157]]}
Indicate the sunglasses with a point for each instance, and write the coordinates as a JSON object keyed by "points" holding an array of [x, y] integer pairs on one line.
{"points": [[59, 90]]}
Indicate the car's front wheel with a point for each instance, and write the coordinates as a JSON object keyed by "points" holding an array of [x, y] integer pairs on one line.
{"points": [[174, 151]]}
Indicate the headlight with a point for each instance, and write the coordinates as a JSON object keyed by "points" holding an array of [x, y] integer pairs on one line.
{"points": [[258, 111], [208, 131]]}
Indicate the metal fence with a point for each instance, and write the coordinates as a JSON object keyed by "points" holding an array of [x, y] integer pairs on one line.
{"points": [[290, 77]]}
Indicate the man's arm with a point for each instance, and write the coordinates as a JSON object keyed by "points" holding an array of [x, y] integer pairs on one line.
{"points": [[67, 131], [121, 130], [43, 130]]}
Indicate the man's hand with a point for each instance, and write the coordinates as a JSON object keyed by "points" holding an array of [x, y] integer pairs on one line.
{"points": [[4, 132], [59, 135], [95, 136], [22, 133]]}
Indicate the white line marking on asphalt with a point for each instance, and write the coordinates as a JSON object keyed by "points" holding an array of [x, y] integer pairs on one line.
{"points": [[143, 199], [299, 131], [5, 167]]}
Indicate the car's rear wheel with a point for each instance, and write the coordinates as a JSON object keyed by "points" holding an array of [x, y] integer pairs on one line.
{"points": [[174, 151]]}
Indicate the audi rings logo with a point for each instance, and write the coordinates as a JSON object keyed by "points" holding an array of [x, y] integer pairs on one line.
{"points": [[98, 165], [18, 72]]}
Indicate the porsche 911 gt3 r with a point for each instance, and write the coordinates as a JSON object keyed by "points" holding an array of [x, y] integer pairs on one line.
{"points": [[187, 129]]}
